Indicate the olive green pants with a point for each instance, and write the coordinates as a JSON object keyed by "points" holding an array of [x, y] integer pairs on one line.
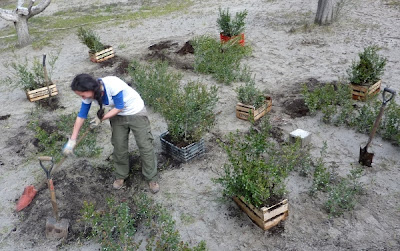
{"points": [[140, 126]]}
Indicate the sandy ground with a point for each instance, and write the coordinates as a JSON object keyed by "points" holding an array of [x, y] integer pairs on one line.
{"points": [[281, 60]]}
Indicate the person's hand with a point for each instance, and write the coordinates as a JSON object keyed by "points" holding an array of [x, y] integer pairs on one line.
{"points": [[94, 123], [68, 148]]}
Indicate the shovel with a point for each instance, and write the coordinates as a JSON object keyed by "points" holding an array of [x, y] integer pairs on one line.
{"points": [[365, 158], [46, 78], [55, 228]]}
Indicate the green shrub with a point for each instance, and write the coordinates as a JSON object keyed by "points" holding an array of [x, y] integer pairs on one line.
{"points": [[368, 69], [189, 112], [154, 82], [116, 227], [222, 61], [342, 197], [89, 38], [29, 78], [51, 137], [257, 167], [249, 94], [231, 27]]}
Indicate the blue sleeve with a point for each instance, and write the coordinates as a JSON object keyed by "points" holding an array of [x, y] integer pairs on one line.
{"points": [[118, 100], [83, 113]]}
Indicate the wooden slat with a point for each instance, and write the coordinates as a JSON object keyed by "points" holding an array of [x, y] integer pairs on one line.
{"points": [[266, 217], [41, 93], [243, 110], [360, 92], [102, 55]]}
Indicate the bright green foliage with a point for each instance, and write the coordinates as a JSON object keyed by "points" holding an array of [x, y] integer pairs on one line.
{"points": [[29, 78], [342, 197], [368, 69], [231, 27], [338, 108], [222, 61], [321, 175], [155, 83], [89, 38], [249, 94], [116, 227], [190, 112], [258, 167], [51, 138]]}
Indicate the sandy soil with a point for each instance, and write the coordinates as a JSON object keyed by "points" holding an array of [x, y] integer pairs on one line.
{"points": [[281, 60]]}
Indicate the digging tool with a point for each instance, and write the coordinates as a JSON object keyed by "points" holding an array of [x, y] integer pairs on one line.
{"points": [[365, 158], [46, 77], [55, 228]]}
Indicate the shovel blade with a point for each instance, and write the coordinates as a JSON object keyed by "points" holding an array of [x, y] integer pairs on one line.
{"points": [[365, 158], [56, 229]]}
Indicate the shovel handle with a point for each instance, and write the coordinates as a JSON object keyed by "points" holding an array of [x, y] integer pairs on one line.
{"points": [[45, 158], [392, 92]]}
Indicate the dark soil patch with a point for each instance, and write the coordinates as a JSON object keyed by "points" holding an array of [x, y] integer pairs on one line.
{"points": [[169, 51], [5, 117], [121, 65], [296, 108], [277, 134], [187, 48], [50, 104]]}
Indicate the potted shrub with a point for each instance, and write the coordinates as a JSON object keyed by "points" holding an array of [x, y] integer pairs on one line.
{"points": [[231, 27], [35, 81], [189, 115], [98, 52], [253, 103], [255, 174], [365, 74]]}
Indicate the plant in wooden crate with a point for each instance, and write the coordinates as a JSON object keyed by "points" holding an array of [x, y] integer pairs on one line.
{"points": [[98, 52], [231, 28], [222, 61], [365, 74], [189, 113], [253, 103], [256, 172], [34, 81]]}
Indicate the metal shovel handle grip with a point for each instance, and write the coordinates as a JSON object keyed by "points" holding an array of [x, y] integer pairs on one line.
{"points": [[45, 158], [385, 90]]}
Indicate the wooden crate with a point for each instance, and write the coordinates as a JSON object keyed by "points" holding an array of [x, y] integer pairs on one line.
{"points": [[41, 93], [102, 55], [266, 217], [243, 111], [362, 93]]}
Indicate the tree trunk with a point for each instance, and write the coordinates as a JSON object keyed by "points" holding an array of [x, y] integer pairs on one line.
{"points": [[325, 12], [21, 27]]}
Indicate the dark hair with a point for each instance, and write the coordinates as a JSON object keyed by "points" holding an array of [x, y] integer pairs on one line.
{"points": [[84, 82]]}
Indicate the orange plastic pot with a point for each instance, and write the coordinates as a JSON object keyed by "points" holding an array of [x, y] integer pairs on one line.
{"points": [[225, 39]]}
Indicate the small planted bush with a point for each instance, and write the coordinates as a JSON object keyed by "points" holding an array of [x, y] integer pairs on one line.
{"points": [[249, 94], [155, 82], [257, 167], [29, 77], [116, 226], [368, 69], [89, 38], [189, 112], [229, 26], [222, 61]]}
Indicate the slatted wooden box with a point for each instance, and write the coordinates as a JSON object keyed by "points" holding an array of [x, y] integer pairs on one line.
{"points": [[362, 93], [103, 55], [42, 93], [266, 217], [245, 112]]}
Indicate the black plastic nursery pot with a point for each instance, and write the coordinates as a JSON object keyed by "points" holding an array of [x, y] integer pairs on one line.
{"points": [[182, 154]]}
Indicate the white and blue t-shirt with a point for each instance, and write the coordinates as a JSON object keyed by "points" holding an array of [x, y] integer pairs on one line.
{"points": [[116, 94]]}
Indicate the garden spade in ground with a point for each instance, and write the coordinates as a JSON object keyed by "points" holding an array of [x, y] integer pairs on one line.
{"points": [[365, 158], [55, 228]]}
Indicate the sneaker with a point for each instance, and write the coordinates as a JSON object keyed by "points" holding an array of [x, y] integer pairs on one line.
{"points": [[154, 187], [118, 183]]}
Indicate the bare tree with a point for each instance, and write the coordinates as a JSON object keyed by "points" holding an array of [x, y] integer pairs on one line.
{"points": [[326, 12], [20, 16]]}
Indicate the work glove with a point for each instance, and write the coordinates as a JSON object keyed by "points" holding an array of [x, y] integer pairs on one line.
{"points": [[68, 148], [94, 123]]}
